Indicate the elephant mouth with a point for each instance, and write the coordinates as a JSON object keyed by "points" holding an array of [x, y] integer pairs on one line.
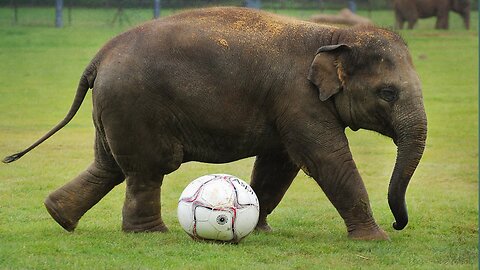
{"points": [[391, 134], [353, 127], [388, 130]]}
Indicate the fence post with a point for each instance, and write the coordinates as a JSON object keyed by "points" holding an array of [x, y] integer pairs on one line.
{"points": [[253, 4], [156, 9], [58, 13], [69, 13], [15, 13], [352, 6]]}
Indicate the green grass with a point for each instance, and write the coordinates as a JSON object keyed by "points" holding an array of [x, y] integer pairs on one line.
{"points": [[39, 70]]}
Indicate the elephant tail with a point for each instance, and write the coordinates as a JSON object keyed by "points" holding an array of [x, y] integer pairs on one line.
{"points": [[86, 82]]}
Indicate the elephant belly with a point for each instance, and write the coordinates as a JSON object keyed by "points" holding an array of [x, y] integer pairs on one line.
{"points": [[222, 148]]}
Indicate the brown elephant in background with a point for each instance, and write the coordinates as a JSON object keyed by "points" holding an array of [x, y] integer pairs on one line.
{"points": [[344, 17], [412, 10]]}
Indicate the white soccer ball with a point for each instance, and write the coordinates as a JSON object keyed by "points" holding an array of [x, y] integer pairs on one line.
{"points": [[218, 207]]}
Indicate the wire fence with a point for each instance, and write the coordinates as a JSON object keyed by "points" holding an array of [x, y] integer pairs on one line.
{"points": [[108, 13], [194, 3]]}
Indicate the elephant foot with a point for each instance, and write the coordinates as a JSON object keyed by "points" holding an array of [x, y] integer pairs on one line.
{"points": [[142, 209], [68, 221], [70, 202], [154, 225], [67, 204], [263, 227], [360, 223], [374, 233]]}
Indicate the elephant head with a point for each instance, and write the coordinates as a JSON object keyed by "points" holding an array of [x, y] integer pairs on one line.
{"points": [[371, 79], [462, 7]]}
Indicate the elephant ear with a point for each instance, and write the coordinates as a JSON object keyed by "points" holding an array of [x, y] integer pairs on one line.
{"points": [[326, 71]]}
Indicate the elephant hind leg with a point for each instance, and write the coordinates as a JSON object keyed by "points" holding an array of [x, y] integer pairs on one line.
{"points": [[271, 177], [142, 210], [146, 152], [399, 20], [70, 202], [411, 24]]}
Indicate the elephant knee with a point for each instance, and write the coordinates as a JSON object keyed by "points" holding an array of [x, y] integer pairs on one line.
{"points": [[99, 175]]}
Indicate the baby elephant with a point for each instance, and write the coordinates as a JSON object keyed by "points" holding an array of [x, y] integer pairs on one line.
{"points": [[222, 84]]}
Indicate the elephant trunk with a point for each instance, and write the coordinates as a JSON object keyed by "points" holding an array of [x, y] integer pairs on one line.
{"points": [[410, 140]]}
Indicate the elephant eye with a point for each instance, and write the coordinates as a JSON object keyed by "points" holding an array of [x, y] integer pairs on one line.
{"points": [[388, 94]]}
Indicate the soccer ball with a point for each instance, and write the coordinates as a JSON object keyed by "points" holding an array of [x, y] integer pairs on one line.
{"points": [[218, 207]]}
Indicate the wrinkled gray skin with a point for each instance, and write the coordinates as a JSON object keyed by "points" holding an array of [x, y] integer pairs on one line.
{"points": [[412, 10], [222, 84]]}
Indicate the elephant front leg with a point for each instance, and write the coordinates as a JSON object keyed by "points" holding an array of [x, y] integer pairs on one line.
{"points": [[141, 210], [411, 24], [337, 175], [442, 20], [272, 175], [327, 158], [399, 21]]}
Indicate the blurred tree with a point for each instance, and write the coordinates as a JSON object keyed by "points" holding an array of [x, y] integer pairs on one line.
{"points": [[253, 4]]}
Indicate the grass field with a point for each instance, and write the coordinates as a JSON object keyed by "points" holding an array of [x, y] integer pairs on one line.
{"points": [[39, 71]]}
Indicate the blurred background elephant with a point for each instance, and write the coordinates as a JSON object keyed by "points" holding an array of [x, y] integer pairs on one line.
{"points": [[344, 17], [412, 10]]}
